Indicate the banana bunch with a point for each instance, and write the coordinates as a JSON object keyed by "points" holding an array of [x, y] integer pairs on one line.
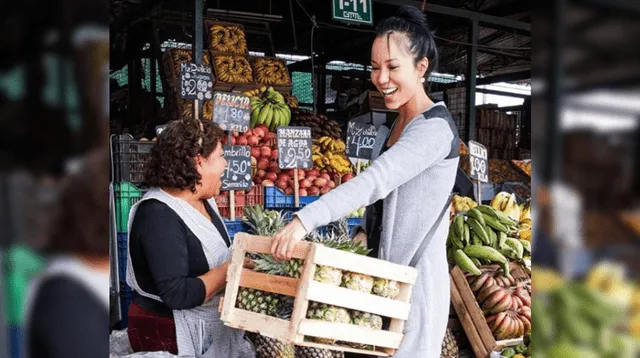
{"points": [[227, 39], [269, 109], [525, 221], [256, 92], [482, 236], [510, 324], [609, 279], [463, 203], [292, 101], [271, 71], [328, 154], [508, 204], [233, 69]]}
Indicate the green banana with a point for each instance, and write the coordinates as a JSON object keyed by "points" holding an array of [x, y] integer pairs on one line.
{"points": [[502, 237], [264, 112], [495, 224], [465, 262], [496, 214], [479, 230], [485, 252], [466, 235], [473, 213], [509, 252], [269, 117], [475, 240], [277, 121], [255, 114], [456, 241], [287, 112], [459, 225], [494, 238], [526, 245], [505, 268], [476, 261], [517, 246]]}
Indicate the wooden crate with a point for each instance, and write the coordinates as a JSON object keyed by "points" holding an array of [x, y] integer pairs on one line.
{"points": [[207, 36], [305, 289], [252, 60], [173, 77], [470, 314], [242, 87], [216, 70]]}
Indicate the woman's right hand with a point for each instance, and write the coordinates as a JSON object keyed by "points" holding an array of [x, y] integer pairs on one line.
{"points": [[360, 237]]}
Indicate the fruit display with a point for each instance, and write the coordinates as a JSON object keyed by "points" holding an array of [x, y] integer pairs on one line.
{"points": [[184, 107], [522, 350], [450, 347], [232, 69], [484, 235], [256, 137], [271, 71], [227, 39], [464, 150], [463, 203], [292, 101], [270, 109], [357, 213], [179, 56], [328, 153], [320, 125], [524, 165], [500, 171], [507, 204]]}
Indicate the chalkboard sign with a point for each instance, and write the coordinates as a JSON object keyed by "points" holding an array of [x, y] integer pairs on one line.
{"points": [[196, 81], [231, 111], [478, 157], [237, 174], [294, 147], [360, 140]]}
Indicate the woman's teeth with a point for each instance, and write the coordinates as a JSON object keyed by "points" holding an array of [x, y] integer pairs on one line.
{"points": [[389, 91]]}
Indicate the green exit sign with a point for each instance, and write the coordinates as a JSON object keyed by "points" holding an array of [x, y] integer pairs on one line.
{"points": [[357, 11]]}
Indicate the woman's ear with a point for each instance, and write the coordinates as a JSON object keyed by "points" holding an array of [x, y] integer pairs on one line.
{"points": [[423, 66]]}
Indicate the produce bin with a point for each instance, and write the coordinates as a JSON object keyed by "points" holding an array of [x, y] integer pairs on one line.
{"points": [[130, 158], [127, 195], [275, 198]]}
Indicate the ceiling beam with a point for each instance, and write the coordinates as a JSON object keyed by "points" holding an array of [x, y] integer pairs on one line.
{"points": [[507, 77]]}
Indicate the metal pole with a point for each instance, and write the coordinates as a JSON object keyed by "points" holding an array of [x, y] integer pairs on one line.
{"points": [[197, 46], [472, 71]]}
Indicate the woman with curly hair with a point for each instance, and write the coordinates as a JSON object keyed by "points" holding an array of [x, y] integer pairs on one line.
{"points": [[179, 249]]}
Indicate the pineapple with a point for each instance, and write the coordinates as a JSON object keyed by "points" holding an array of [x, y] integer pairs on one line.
{"points": [[327, 313], [326, 274], [357, 281], [386, 288], [271, 348], [368, 320], [449, 346], [310, 352], [258, 301]]}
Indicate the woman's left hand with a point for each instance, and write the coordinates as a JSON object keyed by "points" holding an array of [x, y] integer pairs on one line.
{"points": [[286, 239]]}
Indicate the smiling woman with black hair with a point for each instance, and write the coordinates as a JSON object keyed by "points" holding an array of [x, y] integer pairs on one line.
{"points": [[407, 187]]}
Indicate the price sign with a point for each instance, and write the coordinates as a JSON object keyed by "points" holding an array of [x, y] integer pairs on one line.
{"points": [[294, 147], [196, 81], [360, 140], [231, 111], [160, 129], [478, 156], [237, 174]]}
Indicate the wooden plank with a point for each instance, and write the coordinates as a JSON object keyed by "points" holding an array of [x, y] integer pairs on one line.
{"points": [[367, 265], [344, 297], [255, 322], [301, 304], [397, 325], [262, 244], [508, 343], [473, 308], [350, 333], [270, 283], [234, 272], [467, 323], [343, 349]]}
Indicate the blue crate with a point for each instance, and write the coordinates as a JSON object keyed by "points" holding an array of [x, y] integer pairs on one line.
{"points": [[353, 223], [126, 295], [15, 335], [275, 198], [236, 226], [122, 256]]}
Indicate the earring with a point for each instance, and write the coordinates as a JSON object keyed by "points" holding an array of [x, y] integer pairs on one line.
{"points": [[422, 80]]}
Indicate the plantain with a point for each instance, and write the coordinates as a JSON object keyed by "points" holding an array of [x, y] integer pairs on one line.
{"points": [[465, 263], [485, 252]]}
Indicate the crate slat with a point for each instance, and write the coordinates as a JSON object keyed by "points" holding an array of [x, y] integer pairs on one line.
{"points": [[301, 304], [350, 332], [343, 348], [366, 265], [262, 244], [234, 274], [265, 325], [347, 298], [270, 283], [467, 323], [397, 325]]}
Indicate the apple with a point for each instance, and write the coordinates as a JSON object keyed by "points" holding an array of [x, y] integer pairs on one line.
{"points": [[233, 140], [314, 191], [302, 192], [305, 183], [263, 127], [347, 177], [332, 184], [265, 151], [326, 176], [288, 191], [320, 182], [255, 152], [274, 154], [274, 168], [253, 140], [271, 176], [261, 173], [311, 178], [325, 190], [282, 184], [242, 140], [313, 172], [284, 176], [257, 180], [263, 163], [259, 132], [267, 183]]}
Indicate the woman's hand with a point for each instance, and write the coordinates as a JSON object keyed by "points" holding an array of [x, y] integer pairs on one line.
{"points": [[360, 238], [286, 239]]}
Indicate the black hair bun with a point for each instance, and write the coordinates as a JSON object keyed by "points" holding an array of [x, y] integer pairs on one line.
{"points": [[412, 14]]}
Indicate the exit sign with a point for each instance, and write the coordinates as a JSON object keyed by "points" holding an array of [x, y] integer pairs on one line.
{"points": [[355, 11]]}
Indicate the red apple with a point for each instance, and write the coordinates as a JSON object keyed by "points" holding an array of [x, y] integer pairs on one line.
{"points": [[255, 151], [288, 191], [265, 151], [320, 182], [271, 176], [311, 178], [289, 172], [270, 135], [274, 154], [314, 191], [284, 176], [259, 132], [253, 140], [326, 176], [267, 183], [274, 168], [302, 192], [332, 184], [325, 190], [263, 127], [313, 172], [242, 140], [233, 140], [257, 180], [282, 184], [261, 173], [263, 163], [347, 177], [305, 183]]}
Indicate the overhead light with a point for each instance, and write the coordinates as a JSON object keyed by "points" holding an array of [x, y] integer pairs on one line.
{"points": [[241, 15]]}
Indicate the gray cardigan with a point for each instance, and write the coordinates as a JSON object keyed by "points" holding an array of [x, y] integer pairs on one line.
{"points": [[415, 180]]}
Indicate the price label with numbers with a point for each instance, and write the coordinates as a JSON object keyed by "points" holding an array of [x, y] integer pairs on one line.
{"points": [[294, 147], [237, 174], [479, 158], [196, 81], [360, 140], [231, 111]]}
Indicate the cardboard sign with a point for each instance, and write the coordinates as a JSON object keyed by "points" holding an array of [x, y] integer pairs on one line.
{"points": [[294, 147], [231, 111], [196, 81], [237, 174], [360, 140], [478, 157]]}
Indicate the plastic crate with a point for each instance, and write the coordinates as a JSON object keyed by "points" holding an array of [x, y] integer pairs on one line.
{"points": [[224, 205], [130, 158], [236, 226], [127, 195], [255, 196], [275, 198], [353, 223], [122, 256]]}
